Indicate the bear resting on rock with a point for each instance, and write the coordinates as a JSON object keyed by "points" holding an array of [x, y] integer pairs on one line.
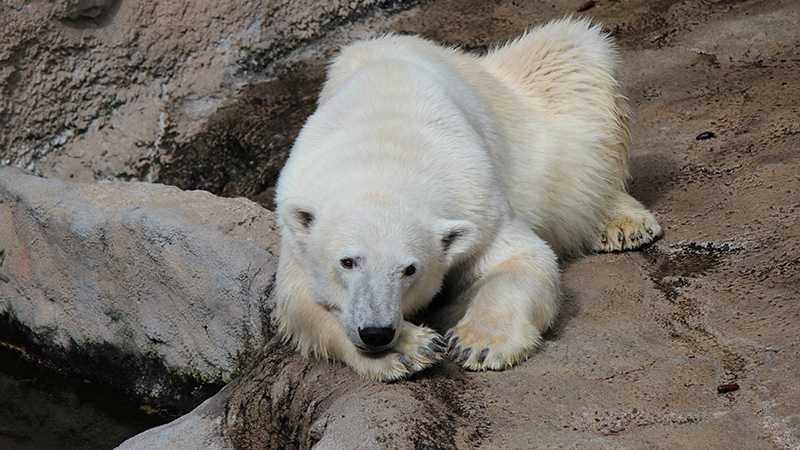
{"points": [[427, 168]]}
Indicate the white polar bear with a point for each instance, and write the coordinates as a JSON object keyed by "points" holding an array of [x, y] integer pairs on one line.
{"points": [[425, 167]]}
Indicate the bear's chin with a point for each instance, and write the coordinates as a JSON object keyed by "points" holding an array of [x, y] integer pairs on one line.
{"points": [[374, 351]]}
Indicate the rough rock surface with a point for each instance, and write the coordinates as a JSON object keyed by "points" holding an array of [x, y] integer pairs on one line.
{"points": [[108, 88], [200, 429], [149, 289]]}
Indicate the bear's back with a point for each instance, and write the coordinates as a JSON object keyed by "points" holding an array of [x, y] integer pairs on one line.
{"points": [[396, 115]]}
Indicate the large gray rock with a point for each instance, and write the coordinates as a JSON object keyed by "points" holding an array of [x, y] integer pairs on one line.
{"points": [[148, 288], [284, 401], [107, 88], [199, 429]]}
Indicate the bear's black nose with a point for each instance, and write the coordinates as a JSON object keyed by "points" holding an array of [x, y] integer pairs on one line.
{"points": [[376, 336]]}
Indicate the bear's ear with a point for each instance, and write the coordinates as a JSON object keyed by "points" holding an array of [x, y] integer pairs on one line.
{"points": [[298, 218], [457, 238]]}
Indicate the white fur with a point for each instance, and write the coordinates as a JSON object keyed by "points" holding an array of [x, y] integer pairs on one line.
{"points": [[511, 158]]}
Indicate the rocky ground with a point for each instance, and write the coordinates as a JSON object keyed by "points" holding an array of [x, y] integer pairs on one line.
{"points": [[644, 339]]}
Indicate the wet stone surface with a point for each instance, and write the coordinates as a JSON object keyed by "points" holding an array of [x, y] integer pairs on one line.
{"points": [[42, 409]]}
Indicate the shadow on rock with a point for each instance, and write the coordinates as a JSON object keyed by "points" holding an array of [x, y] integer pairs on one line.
{"points": [[569, 309], [653, 177], [245, 143]]}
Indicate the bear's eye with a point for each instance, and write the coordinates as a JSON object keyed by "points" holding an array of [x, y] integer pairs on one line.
{"points": [[347, 263], [410, 270]]}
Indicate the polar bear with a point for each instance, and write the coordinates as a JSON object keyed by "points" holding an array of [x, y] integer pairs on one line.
{"points": [[426, 168]]}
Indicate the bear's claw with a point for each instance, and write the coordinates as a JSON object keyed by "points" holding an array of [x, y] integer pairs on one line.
{"points": [[629, 231], [452, 345], [464, 355], [438, 345], [473, 349], [482, 355]]}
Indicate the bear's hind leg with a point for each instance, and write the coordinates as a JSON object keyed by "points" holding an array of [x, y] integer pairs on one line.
{"points": [[631, 226], [513, 300]]}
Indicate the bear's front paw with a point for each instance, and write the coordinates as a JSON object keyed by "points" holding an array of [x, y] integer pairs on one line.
{"points": [[418, 348], [629, 231], [484, 343]]}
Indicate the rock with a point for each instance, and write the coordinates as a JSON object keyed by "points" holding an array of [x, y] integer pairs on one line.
{"points": [[155, 291], [200, 429], [705, 135], [585, 6], [255, 130], [97, 89], [727, 387], [82, 9], [284, 401]]}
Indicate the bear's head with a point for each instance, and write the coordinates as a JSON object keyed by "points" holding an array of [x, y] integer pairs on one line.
{"points": [[373, 265]]}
